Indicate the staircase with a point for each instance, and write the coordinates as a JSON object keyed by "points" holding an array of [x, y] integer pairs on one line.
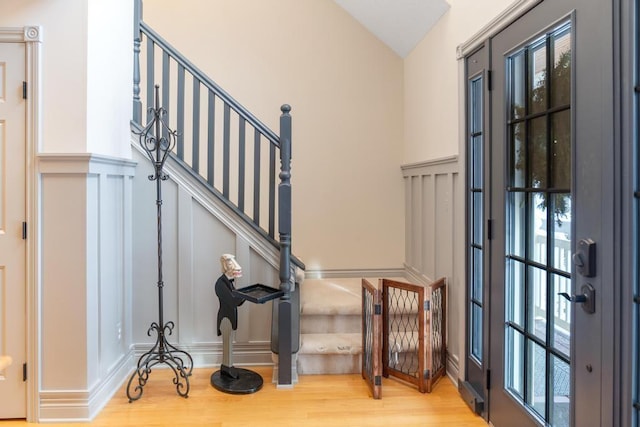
{"points": [[330, 326]]}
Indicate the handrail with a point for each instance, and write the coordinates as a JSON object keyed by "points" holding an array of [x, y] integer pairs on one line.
{"points": [[209, 83]]}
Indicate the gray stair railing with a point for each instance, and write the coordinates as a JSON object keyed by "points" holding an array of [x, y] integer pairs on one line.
{"points": [[226, 148]]}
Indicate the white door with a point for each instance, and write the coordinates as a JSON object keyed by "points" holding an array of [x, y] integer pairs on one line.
{"points": [[12, 215]]}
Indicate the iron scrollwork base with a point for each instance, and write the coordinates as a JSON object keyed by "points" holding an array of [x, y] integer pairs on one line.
{"points": [[162, 352]]}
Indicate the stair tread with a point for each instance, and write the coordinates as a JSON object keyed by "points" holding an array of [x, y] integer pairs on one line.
{"points": [[340, 343]]}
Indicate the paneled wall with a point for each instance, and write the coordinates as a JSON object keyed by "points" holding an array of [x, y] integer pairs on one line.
{"points": [[434, 238], [84, 280], [197, 230]]}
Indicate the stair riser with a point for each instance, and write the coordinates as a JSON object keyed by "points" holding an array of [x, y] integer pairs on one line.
{"points": [[315, 364], [320, 324]]}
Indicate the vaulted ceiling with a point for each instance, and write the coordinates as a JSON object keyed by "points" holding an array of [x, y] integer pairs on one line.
{"points": [[400, 24]]}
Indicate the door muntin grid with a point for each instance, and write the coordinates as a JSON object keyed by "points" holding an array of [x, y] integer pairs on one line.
{"points": [[476, 206], [538, 226]]}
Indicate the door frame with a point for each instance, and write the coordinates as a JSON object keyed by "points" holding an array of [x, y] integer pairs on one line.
{"points": [[31, 37], [617, 408], [463, 51], [628, 163]]}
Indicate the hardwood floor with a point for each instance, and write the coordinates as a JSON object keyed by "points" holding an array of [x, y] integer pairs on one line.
{"points": [[316, 400]]}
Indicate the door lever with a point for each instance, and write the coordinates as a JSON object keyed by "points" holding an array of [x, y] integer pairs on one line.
{"points": [[587, 298]]}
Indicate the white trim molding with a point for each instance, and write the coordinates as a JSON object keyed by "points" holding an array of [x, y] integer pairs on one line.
{"points": [[31, 37], [510, 14]]}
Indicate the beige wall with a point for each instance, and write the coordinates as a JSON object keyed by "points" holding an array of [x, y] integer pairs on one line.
{"points": [[87, 64], [346, 90], [431, 93]]}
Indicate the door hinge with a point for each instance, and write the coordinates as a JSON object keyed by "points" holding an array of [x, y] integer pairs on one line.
{"points": [[24, 230], [427, 305], [24, 372], [636, 299], [377, 380], [489, 80], [377, 309], [488, 381], [24, 90], [489, 229]]}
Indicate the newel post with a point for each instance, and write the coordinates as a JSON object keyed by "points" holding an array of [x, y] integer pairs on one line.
{"points": [[284, 229], [137, 40]]}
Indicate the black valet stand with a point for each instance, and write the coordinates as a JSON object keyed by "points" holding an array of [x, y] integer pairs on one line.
{"points": [[230, 379], [157, 141]]}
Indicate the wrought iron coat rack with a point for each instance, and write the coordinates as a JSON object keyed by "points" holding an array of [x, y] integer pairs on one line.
{"points": [[157, 141]]}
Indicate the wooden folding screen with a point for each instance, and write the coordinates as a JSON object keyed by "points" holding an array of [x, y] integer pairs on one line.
{"points": [[372, 337], [413, 333]]}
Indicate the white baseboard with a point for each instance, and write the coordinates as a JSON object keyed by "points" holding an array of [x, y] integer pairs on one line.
{"points": [[61, 406]]}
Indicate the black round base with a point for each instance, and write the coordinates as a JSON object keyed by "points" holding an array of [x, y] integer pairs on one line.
{"points": [[246, 382]]}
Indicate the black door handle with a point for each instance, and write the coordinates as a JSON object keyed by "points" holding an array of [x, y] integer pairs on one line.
{"points": [[587, 298]]}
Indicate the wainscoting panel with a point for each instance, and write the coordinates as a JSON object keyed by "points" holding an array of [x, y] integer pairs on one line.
{"points": [[197, 230], [84, 282], [432, 191]]}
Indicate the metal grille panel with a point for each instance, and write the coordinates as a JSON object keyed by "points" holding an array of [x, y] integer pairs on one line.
{"points": [[371, 338], [404, 330], [436, 332]]}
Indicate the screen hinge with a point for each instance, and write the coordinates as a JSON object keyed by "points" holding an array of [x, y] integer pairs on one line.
{"points": [[489, 80], [24, 372], [427, 374], [377, 380], [488, 379], [24, 90], [24, 230], [490, 229], [427, 305], [377, 309]]}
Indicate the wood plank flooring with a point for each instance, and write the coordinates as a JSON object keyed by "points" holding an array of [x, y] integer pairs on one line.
{"points": [[316, 400]]}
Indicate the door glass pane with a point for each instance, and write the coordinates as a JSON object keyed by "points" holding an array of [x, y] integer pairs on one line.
{"points": [[538, 227], [518, 156], [537, 76], [536, 374], [537, 144], [477, 156], [514, 364], [517, 85], [561, 150], [517, 220], [561, 384], [537, 303], [561, 330], [477, 275], [561, 75], [477, 218], [515, 293], [561, 235], [476, 337]]}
